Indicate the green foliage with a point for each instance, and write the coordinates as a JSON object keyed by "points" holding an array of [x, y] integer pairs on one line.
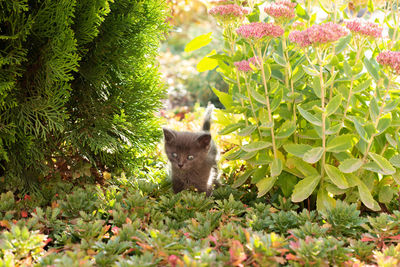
{"points": [[19, 244], [314, 123], [282, 221], [78, 84], [344, 219], [320, 252]]}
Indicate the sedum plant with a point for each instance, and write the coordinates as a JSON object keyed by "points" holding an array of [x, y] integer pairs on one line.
{"points": [[311, 98]]}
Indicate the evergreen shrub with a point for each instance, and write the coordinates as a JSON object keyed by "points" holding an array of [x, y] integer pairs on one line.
{"points": [[78, 85]]}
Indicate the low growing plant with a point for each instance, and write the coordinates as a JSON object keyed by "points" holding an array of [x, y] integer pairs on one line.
{"points": [[311, 98]]}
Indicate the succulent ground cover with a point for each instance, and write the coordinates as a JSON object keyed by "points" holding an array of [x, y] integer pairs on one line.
{"points": [[136, 220]]}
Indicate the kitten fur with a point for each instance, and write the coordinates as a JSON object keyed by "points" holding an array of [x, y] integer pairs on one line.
{"points": [[193, 157]]}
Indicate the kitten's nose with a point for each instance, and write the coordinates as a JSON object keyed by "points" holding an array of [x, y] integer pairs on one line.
{"points": [[180, 165]]}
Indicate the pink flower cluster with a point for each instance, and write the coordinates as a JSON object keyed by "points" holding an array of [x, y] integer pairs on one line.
{"points": [[364, 27], [282, 10], [390, 59], [259, 30], [318, 34], [221, 2], [244, 65], [227, 12]]}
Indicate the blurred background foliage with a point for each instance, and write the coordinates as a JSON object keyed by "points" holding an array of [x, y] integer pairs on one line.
{"points": [[186, 86]]}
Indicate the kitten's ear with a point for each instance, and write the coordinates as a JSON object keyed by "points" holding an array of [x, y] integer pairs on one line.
{"points": [[204, 139], [169, 135]]}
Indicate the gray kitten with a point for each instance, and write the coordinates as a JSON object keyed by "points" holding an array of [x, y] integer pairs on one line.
{"points": [[193, 158]]}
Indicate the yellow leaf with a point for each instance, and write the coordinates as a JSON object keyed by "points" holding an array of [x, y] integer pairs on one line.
{"points": [[106, 175]]}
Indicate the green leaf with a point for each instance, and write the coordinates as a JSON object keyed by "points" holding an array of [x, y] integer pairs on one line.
{"points": [[396, 177], [243, 178], [233, 155], [334, 104], [366, 197], [342, 44], [336, 176], [310, 71], [286, 183], [350, 165], [324, 201], [395, 160], [247, 130], [198, 42], [385, 194], [391, 105], [224, 98], [309, 117], [305, 188], [247, 155], [265, 185], [341, 143], [276, 167], [391, 140], [301, 12], [267, 71], [286, 130], [333, 189], [360, 130], [383, 163], [207, 63], [373, 109], [279, 60], [231, 127], [317, 86], [259, 174], [297, 149], [255, 146], [384, 123], [276, 101], [258, 97], [347, 69], [362, 86], [371, 69], [314, 155]]}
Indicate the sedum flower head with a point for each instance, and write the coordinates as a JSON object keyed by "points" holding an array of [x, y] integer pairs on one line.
{"points": [[318, 34], [364, 27], [221, 2], [281, 10], [390, 59], [244, 65], [228, 12], [259, 30]]}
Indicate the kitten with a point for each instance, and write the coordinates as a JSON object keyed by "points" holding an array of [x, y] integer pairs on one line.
{"points": [[193, 157]]}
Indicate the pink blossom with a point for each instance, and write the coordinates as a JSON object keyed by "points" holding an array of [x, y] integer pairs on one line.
{"points": [[299, 37], [318, 34], [173, 259], [259, 30], [228, 12], [282, 10], [221, 2], [364, 27], [390, 59], [287, 3], [244, 65], [115, 230]]}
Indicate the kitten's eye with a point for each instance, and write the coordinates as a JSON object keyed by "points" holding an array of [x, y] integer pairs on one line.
{"points": [[174, 155], [190, 157]]}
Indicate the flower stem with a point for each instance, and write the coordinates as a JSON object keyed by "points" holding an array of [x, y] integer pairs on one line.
{"points": [[377, 118], [232, 43], [260, 54], [252, 106], [321, 79]]}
